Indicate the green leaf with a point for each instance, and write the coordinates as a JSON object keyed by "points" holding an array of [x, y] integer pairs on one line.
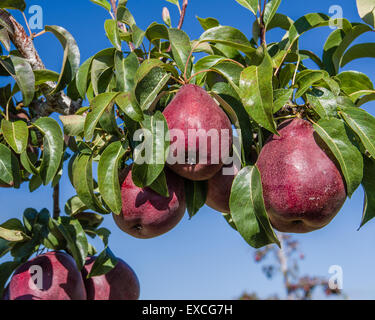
{"points": [[334, 133], [363, 50], [181, 48], [306, 79], [150, 155], [20, 69], [98, 105], [71, 56], [102, 65], [9, 167], [104, 263], [103, 234], [82, 77], [160, 185], [256, 93], [4, 39], [252, 5], [13, 4], [270, 11], [248, 210], [16, 134], [112, 33], [6, 270], [366, 10], [43, 76], [280, 21], [74, 206], [108, 179], [150, 81], [103, 3], [73, 125], [196, 194], [311, 21], [125, 101], [13, 235], [228, 36], [53, 148], [225, 94], [125, 70], [323, 101], [230, 71], [208, 23], [354, 81], [157, 31], [368, 184], [363, 124], [281, 98], [83, 182], [75, 237]]}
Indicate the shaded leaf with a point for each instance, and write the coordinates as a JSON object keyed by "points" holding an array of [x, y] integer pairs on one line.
{"points": [[333, 133], [248, 210]]}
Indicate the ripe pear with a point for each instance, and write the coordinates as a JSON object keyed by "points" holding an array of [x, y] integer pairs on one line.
{"points": [[147, 214], [219, 188], [193, 109], [50, 276], [121, 283], [302, 185]]}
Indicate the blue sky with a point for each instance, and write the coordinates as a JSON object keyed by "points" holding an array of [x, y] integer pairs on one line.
{"points": [[204, 258]]}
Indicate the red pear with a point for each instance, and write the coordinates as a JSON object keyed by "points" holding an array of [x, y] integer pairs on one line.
{"points": [[193, 109], [302, 184], [219, 188], [50, 276], [145, 213], [121, 283]]}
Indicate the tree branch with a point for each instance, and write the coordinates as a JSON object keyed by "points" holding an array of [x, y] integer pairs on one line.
{"points": [[183, 13], [58, 102], [56, 201]]}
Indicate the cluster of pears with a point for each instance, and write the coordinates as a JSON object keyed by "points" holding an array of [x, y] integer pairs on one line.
{"points": [[303, 187], [55, 276]]}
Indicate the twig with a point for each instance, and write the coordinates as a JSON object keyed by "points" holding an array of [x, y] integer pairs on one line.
{"points": [[183, 13], [261, 22], [58, 102], [35, 35], [114, 7], [27, 24], [121, 25], [199, 72], [56, 201], [189, 58]]}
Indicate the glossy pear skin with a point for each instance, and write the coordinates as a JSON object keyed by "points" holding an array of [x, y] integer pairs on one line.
{"points": [[219, 188], [61, 280], [193, 108], [302, 185], [121, 283], [147, 214]]}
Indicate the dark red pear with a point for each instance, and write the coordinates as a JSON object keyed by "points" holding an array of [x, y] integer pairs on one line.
{"points": [[50, 276], [194, 111], [147, 214], [6, 293], [219, 188], [121, 283], [302, 183]]}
